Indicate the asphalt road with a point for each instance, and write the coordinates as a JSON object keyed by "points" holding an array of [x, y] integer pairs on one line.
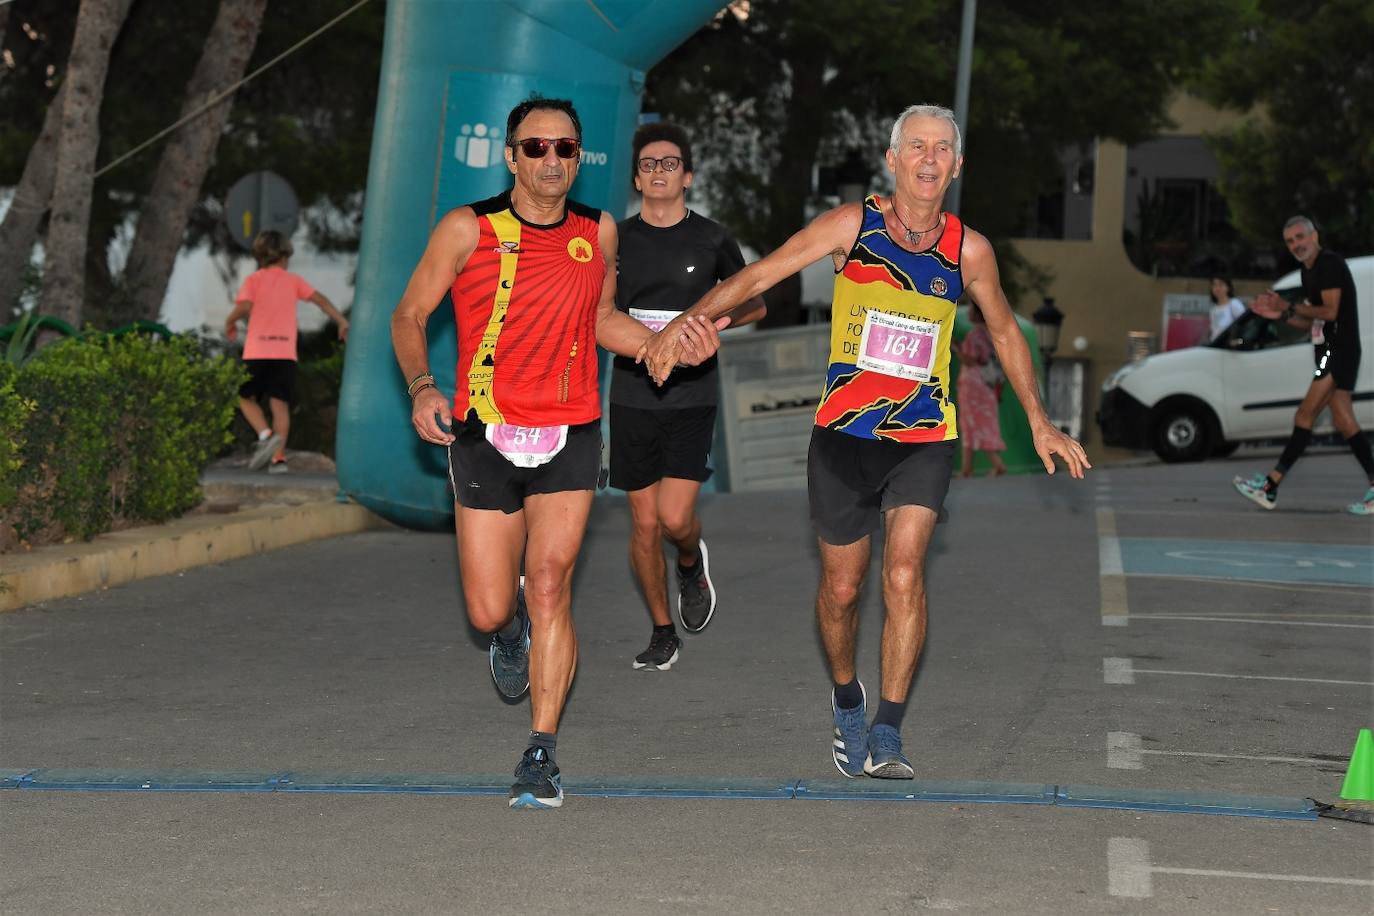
{"points": [[1145, 629]]}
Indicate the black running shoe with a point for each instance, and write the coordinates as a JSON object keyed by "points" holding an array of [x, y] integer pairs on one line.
{"points": [[696, 596], [510, 661], [662, 652], [537, 781]]}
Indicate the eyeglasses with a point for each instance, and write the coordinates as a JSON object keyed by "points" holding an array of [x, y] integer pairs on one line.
{"points": [[669, 163], [537, 147]]}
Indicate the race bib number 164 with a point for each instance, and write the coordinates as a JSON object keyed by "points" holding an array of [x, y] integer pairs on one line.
{"points": [[897, 346]]}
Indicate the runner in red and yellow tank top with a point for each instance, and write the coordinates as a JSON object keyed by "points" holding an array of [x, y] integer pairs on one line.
{"points": [[525, 304], [532, 276]]}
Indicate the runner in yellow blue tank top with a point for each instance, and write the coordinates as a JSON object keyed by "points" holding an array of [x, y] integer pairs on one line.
{"points": [[883, 445]]}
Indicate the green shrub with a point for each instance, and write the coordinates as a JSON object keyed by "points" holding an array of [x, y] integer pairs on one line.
{"points": [[14, 411], [122, 428]]}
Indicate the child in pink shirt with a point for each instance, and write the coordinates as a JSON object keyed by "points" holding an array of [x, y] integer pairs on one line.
{"points": [[268, 298]]}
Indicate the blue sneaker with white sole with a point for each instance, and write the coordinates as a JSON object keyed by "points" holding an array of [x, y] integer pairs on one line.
{"points": [[1365, 506], [851, 729], [885, 757], [1254, 490], [538, 783], [510, 661]]}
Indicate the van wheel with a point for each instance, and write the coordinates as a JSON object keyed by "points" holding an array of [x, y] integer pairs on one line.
{"points": [[1183, 432]]}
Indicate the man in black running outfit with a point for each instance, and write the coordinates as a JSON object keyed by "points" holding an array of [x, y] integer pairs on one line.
{"points": [[1328, 292], [661, 436]]}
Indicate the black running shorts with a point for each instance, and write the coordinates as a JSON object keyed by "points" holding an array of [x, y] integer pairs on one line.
{"points": [[275, 378], [853, 481], [1342, 364], [649, 445], [483, 478]]}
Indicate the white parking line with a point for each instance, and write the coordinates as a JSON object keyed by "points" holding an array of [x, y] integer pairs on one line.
{"points": [[1251, 620], [1112, 582], [1128, 867], [1123, 671], [1124, 752], [1130, 871]]}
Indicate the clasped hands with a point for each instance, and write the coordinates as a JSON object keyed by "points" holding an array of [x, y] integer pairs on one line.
{"points": [[687, 340]]}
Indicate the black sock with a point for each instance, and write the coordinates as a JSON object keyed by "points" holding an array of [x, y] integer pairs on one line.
{"points": [[686, 571], [849, 696], [666, 630], [890, 713], [1297, 443], [1363, 454], [547, 740], [512, 631]]}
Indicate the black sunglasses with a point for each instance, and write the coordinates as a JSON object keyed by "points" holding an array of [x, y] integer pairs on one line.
{"points": [[537, 147], [669, 163]]}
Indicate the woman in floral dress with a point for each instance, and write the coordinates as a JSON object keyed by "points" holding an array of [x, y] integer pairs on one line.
{"points": [[979, 387]]}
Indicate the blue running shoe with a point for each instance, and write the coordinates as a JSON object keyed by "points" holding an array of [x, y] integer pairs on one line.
{"points": [[537, 781], [850, 731], [510, 661], [885, 757], [1256, 493], [1365, 506]]}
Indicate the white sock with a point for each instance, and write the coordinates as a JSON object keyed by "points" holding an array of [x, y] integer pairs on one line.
{"points": [[265, 435]]}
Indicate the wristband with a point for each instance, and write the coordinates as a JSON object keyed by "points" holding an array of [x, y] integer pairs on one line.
{"points": [[422, 387], [414, 383]]}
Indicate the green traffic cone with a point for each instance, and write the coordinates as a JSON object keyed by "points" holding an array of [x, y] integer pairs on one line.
{"points": [[1359, 779]]}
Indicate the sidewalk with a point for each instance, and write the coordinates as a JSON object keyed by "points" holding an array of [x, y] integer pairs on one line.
{"points": [[244, 513]]}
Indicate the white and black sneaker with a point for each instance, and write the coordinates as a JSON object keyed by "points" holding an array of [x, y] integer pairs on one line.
{"points": [[696, 594], [661, 654], [264, 450]]}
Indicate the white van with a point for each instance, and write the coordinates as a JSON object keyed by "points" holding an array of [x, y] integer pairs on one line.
{"points": [[1244, 386]]}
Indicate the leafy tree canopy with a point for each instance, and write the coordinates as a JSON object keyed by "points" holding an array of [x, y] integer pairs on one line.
{"points": [[1306, 70], [774, 88]]}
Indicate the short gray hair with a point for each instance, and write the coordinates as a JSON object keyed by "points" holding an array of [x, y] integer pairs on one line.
{"points": [[1300, 221], [927, 111]]}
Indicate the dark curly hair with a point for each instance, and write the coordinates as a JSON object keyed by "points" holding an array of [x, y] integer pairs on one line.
{"points": [[653, 133]]}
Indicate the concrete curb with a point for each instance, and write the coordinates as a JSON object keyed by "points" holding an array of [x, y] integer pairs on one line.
{"points": [[119, 557]]}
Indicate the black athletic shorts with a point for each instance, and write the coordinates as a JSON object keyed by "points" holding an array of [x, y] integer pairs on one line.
{"points": [[484, 479], [853, 481], [275, 378], [649, 445], [1342, 364]]}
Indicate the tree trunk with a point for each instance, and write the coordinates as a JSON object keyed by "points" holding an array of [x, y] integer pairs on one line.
{"points": [[97, 25], [24, 218], [186, 159]]}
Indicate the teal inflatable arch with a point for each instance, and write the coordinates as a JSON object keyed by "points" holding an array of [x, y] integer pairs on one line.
{"points": [[451, 71]]}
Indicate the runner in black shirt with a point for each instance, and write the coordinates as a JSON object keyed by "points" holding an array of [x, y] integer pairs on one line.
{"points": [[661, 436], [1328, 296]]}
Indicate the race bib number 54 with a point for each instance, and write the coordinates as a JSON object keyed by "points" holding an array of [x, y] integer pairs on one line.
{"points": [[898, 346], [527, 446]]}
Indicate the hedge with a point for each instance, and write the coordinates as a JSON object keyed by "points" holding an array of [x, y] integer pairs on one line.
{"points": [[119, 432]]}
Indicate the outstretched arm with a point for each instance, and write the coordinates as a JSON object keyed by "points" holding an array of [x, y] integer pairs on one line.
{"points": [[615, 331], [984, 285], [450, 245], [334, 314], [237, 314], [832, 232]]}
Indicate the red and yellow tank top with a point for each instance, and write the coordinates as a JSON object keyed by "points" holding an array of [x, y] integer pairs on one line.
{"points": [[890, 328], [525, 307]]}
